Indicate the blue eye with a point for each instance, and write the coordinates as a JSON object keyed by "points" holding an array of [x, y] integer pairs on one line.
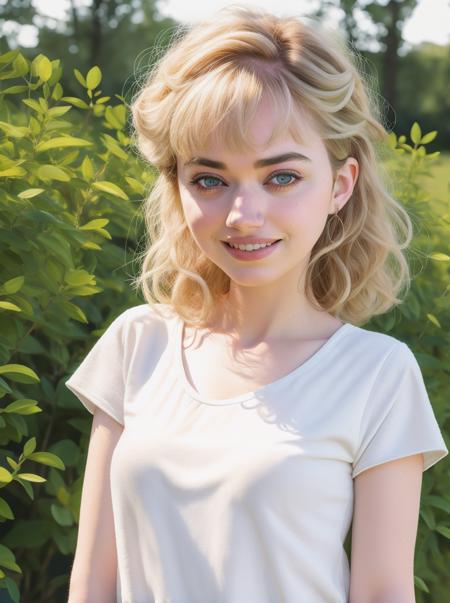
{"points": [[288, 179], [211, 183], [284, 175]]}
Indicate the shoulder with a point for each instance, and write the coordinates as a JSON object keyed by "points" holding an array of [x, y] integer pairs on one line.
{"points": [[148, 313], [146, 320], [374, 344], [376, 356]]}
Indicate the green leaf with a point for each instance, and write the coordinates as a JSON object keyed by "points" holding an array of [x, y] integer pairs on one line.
{"points": [[87, 169], [444, 531], [20, 65], [13, 285], [112, 146], [104, 233], [85, 290], [95, 224], [31, 477], [14, 90], [8, 57], [5, 305], [29, 193], [74, 312], [440, 257], [91, 245], [44, 69], [57, 92], [432, 318], [58, 111], [61, 515], [14, 131], [24, 404], [35, 64], [62, 142], [420, 584], [79, 277], [12, 463], [115, 116], [416, 133], [77, 102], [13, 172], [19, 373], [58, 244], [111, 188], [7, 559], [5, 475], [47, 458], [135, 185], [52, 172], [428, 137], [30, 446], [33, 104], [6, 513], [437, 501], [69, 158], [93, 78], [80, 78]]}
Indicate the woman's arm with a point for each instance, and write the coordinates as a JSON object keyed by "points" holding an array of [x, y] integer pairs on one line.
{"points": [[385, 520], [93, 576]]}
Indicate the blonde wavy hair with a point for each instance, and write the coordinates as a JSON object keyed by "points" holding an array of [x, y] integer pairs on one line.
{"points": [[212, 79]]}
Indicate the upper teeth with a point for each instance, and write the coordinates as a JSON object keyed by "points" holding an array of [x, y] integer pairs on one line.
{"points": [[250, 247]]}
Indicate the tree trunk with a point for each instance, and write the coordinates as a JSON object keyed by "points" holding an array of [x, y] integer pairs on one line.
{"points": [[390, 59], [96, 33]]}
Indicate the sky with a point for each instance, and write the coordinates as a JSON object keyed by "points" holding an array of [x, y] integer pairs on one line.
{"points": [[430, 22]]}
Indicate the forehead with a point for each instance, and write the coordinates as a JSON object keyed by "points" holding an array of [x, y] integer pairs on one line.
{"points": [[266, 132], [242, 107]]}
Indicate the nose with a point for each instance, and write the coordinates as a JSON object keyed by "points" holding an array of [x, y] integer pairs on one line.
{"points": [[246, 211]]}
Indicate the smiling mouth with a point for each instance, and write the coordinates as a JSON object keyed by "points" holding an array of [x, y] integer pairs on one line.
{"points": [[267, 245]]}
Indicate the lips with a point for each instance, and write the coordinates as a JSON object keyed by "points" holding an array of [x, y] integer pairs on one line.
{"points": [[267, 243], [253, 255]]}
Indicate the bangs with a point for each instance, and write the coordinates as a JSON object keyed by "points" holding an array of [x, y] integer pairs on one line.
{"points": [[221, 104]]}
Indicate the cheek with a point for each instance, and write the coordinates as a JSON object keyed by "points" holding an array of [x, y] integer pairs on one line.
{"points": [[306, 211], [200, 217]]}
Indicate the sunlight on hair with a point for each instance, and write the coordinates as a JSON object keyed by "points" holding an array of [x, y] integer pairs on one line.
{"points": [[209, 83]]}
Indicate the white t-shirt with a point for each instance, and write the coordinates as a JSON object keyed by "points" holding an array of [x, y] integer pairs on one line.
{"points": [[247, 499]]}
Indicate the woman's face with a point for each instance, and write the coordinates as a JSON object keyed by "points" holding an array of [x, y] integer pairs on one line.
{"points": [[228, 195]]}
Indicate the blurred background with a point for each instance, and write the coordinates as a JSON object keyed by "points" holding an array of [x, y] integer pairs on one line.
{"points": [[405, 45]]}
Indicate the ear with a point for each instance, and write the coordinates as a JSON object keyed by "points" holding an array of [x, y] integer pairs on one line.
{"points": [[344, 184]]}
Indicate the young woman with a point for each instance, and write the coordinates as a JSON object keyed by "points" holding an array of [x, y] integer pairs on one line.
{"points": [[243, 418]]}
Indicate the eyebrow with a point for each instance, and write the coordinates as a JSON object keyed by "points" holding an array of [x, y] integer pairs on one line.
{"points": [[259, 163]]}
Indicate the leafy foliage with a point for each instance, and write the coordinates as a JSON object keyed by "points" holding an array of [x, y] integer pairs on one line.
{"points": [[67, 212], [72, 190], [422, 322]]}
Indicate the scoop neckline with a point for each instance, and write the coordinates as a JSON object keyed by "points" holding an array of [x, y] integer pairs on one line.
{"points": [[306, 365]]}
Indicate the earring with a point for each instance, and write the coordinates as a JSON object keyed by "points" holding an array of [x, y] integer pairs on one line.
{"points": [[331, 224]]}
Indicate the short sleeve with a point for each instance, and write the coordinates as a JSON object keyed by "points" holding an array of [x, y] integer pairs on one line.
{"points": [[398, 420], [99, 379]]}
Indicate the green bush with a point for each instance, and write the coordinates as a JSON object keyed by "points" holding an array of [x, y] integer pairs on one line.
{"points": [[70, 209]]}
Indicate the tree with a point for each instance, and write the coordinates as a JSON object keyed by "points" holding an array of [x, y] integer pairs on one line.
{"points": [[389, 19], [109, 33]]}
